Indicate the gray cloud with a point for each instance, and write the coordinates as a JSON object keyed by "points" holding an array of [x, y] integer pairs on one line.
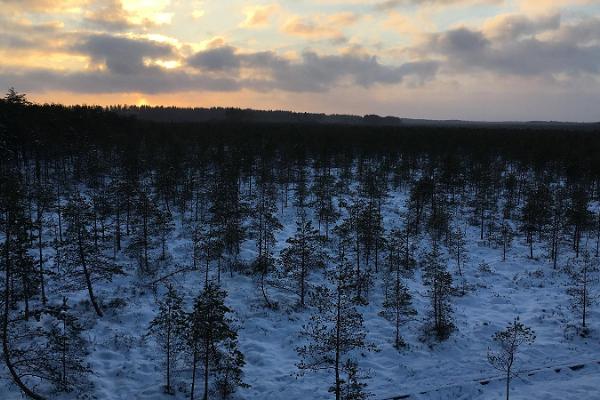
{"points": [[391, 4], [313, 72], [516, 26], [516, 50], [122, 55], [584, 32], [148, 80], [21, 35], [217, 69], [220, 58]]}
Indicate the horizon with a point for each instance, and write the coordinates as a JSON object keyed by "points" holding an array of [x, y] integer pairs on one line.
{"points": [[467, 60], [301, 112]]}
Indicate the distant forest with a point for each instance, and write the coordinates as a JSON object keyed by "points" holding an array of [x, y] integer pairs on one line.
{"points": [[83, 187]]}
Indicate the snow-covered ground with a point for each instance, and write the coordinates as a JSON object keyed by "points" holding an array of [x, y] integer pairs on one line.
{"points": [[127, 365]]}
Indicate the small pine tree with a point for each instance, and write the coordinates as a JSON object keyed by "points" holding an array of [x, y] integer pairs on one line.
{"points": [[27, 282], [164, 227], [67, 364], [168, 327], [143, 240], [85, 263], [302, 255], [506, 237], [397, 306], [335, 329], [583, 274], [13, 97], [510, 339], [439, 281], [263, 227], [354, 387], [213, 342], [457, 248], [228, 371]]}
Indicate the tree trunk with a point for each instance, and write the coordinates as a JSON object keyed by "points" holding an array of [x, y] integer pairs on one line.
{"points": [[338, 389], [41, 258], [88, 280], [206, 359], [508, 385], [194, 362], [168, 386]]}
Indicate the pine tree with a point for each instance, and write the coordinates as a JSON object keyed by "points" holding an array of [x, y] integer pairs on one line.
{"points": [[583, 274], [67, 364], [228, 211], [397, 304], [323, 190], [13, 97], [506, 237], [578, 215], [509, 340], [556, 225], [439, 283], [213, 342], [335, 330], [354, 387], [168, 328], [204, 249], [457, 248], [43, 200], [84, 263], [264, 225], [27, 282], [164, 227], [535, 213], [144, 235], [228, 371], [17, 348], [302, 255], [350, 236]]}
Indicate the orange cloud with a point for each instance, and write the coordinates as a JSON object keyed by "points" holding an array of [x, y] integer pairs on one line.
{"points": [[545, 6], [44, 6], [259, 16], [320, 26]]}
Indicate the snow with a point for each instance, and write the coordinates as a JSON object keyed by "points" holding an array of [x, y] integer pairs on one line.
{"points": [[127, 364]]}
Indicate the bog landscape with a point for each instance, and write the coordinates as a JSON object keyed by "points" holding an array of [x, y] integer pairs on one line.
{"points": [[297, 200]]}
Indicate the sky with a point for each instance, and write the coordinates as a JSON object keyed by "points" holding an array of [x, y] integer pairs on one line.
{"points": [[439, 59]]}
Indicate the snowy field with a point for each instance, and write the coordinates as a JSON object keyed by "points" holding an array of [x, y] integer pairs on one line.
{"points": [[127, 364]]}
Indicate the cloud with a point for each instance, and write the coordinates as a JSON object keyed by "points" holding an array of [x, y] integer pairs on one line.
{"points": [[318, 27], [143, 12], [312, 73], [585, 32], [43, 6], [509, 27], [513, 48], [391, 4], [217, 59], [544, 6], [21, 34], [109, 15], [134, 64], [259, 16], [148, 80], [122, 55]]}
